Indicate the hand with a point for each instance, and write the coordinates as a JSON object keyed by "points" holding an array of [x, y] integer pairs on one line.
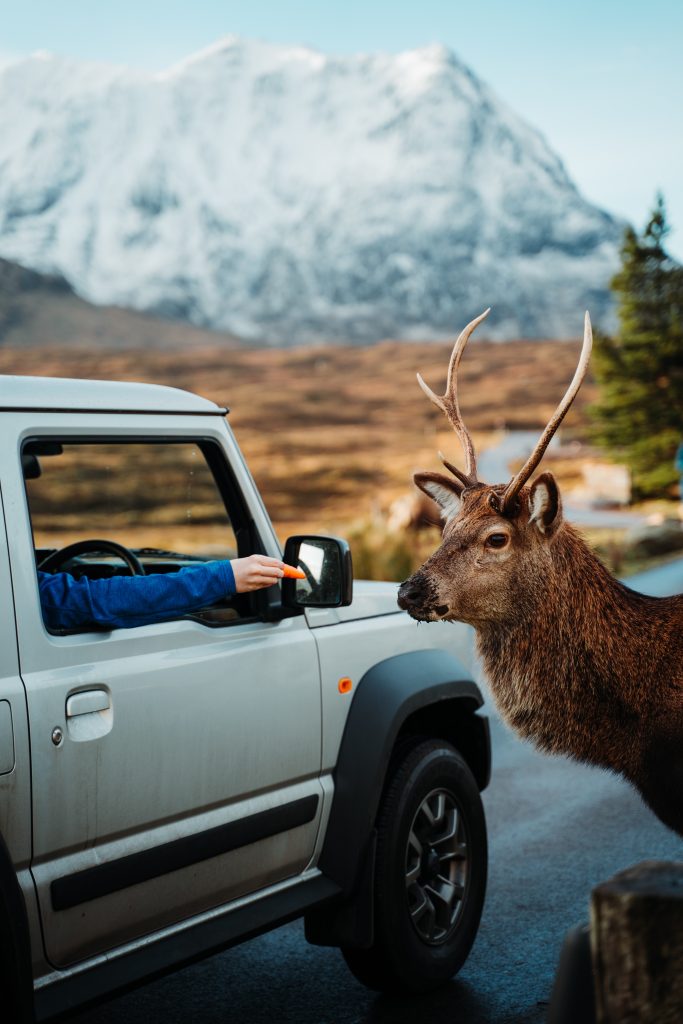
{"points": [[255, 572]]}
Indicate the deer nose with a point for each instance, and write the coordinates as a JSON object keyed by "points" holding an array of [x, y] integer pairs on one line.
{"points": [[410, 594]]}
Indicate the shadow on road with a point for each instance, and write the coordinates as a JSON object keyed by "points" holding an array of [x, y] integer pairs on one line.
{"points": [[456, 1003]]}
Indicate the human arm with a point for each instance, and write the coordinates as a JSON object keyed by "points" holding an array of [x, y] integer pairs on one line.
{"points": [[124, 601]]}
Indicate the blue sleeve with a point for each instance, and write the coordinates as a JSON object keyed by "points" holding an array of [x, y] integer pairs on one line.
{"points": [[132, 600]]}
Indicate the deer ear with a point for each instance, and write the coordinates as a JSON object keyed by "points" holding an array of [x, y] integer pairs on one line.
{"points": [[445, 492], [545, 504]]}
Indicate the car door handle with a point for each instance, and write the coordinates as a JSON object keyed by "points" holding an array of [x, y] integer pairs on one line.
{"points": [[86, 702]]}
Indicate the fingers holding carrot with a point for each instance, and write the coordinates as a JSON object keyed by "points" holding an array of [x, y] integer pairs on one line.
{"points": [[257, 571]]}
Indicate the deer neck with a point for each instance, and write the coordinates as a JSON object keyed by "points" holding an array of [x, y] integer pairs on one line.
{"points": [[554, 666]]}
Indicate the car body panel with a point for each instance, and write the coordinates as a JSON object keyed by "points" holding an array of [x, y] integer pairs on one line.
{"points": [[190, 740], [348, 649], [15, 783], [184, 745], [61, 394]]}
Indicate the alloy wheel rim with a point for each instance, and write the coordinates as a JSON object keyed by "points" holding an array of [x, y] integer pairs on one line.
{"points": [[436, 867]]}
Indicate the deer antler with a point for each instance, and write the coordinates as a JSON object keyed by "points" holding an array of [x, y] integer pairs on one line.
{"points": [[448, 403], [529, 466]]}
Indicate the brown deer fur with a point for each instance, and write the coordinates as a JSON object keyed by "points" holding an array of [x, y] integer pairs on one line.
{"points": [[577, 662]]}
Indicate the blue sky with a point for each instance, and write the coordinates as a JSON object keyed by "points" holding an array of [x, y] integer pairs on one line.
{"points": [[603, 80]]}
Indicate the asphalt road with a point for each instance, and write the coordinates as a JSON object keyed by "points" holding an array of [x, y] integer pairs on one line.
{"points": [[556, 829]]}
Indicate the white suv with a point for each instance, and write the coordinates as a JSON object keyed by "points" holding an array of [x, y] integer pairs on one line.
{"points": [[169, 790]]}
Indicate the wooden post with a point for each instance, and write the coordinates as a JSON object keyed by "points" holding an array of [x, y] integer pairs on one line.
{"points": [[637, 945]]}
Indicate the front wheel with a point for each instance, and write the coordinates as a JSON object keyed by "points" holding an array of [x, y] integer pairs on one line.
{"points": [[430, 873]]}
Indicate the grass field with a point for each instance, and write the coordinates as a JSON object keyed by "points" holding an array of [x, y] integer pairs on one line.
{"points": [[333, 435]]}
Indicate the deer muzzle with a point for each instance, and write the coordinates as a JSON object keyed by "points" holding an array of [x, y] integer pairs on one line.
{"points": [[418, 597]]}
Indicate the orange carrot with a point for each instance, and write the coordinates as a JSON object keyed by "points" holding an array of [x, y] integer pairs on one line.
{"points": [[294, 574]]}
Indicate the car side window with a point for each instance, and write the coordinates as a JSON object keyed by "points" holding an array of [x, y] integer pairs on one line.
{"points": [[159, 500]]}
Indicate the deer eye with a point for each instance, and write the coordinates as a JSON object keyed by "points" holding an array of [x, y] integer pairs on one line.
{"points": [[496, 540]]}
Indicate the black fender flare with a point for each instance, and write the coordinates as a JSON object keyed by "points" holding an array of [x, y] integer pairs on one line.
{"points": [[15, 944], [389, 694]]}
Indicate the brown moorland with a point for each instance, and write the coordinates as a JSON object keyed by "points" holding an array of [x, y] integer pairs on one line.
{"points": [[334, 434]]}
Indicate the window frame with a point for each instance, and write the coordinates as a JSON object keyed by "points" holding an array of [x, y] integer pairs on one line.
{"points": [[239, 518]]}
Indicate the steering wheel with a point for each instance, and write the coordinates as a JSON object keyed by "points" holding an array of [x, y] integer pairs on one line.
{"points": [[59, 558]]}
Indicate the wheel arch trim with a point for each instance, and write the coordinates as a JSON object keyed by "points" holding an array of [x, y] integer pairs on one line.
{"points": [[386, 697], [15, 941]]}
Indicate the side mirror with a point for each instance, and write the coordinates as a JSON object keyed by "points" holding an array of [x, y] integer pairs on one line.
{"points": [[326, 563]]}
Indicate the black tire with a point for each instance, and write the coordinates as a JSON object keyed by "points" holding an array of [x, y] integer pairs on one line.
{"points": [[428, 903], [16, 1000]]}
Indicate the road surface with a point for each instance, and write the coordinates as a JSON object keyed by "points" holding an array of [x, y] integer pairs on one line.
{"points": [[556, 829]]}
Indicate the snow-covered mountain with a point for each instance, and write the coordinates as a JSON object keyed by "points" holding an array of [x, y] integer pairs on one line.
{"points": [[286, 195]]}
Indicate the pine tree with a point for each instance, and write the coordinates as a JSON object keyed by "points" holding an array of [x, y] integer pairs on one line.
{"points": [[639, 414]]}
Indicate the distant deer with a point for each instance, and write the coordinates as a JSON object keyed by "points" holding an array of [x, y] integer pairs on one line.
{"points": [[577, 661], [413, 513]]}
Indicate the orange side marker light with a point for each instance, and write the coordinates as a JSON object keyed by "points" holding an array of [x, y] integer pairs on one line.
{"points": [[345, 685]]}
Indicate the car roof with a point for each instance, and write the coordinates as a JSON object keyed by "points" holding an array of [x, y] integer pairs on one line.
{"points": [[47, 393]]}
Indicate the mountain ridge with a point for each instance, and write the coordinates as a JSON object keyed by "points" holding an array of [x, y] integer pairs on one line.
{"points": [[287, 195], [41, 311]]}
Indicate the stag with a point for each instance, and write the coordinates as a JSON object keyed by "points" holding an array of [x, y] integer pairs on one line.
{"points": [[577, 661]]}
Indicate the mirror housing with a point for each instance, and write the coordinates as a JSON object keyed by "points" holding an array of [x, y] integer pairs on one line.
{"points": [[329, 573]]}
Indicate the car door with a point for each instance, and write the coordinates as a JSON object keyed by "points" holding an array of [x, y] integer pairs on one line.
{"points": [[15, 777], [175, 765]]}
